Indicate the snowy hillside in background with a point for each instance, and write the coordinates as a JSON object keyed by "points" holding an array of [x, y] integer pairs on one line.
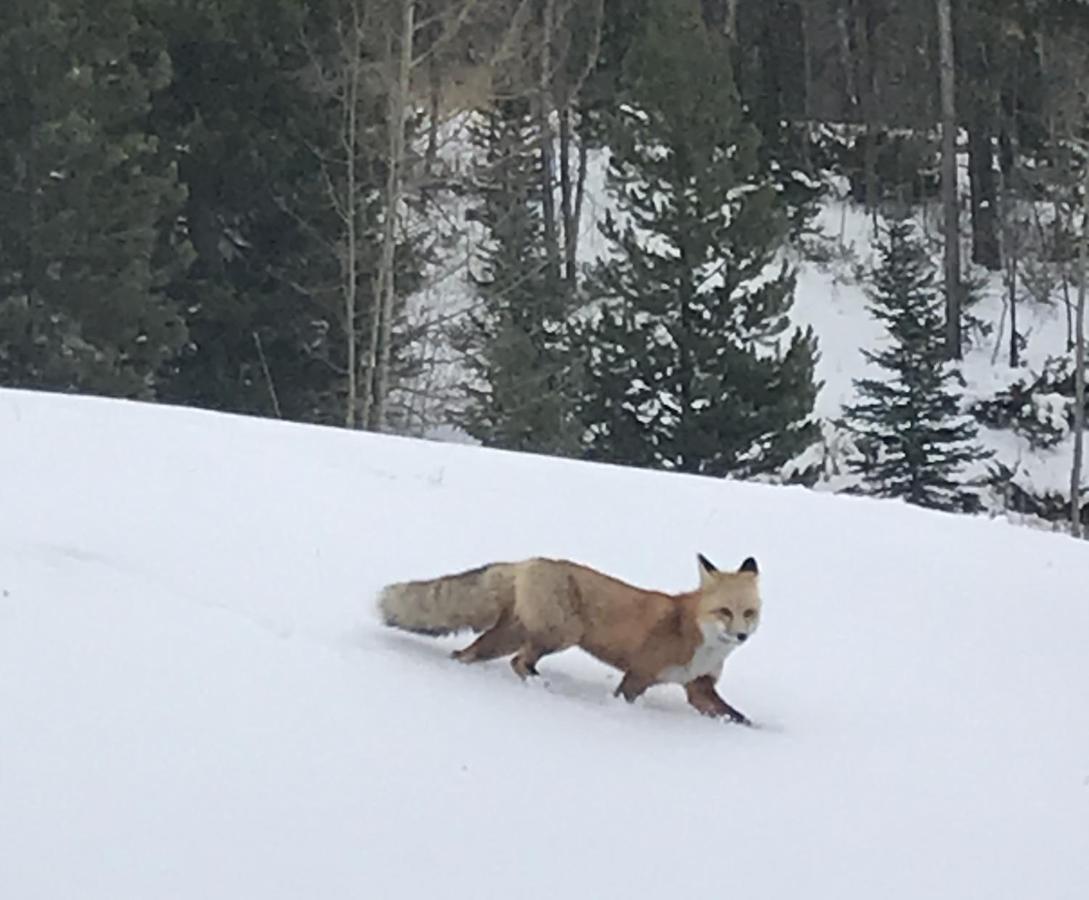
{"points": [[833, 301], [829, 297], [196, 700]]}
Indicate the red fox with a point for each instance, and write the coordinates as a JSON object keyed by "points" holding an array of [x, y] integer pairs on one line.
{"points": [[541, 606]]}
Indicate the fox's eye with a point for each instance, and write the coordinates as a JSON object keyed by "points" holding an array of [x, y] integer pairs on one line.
{"points": [[726, 612], [749, 613]]}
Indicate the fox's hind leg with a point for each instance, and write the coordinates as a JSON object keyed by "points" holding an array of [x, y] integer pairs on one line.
{"points": [[503, 638], [632, 686], [525, 661]]}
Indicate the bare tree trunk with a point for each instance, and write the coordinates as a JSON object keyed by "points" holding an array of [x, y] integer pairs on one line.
{"points": [[846, 57], [269, 383], [864, 83], [981, 109], [572, 192], [949, 182], [1013, 242], [395, 124], [567, 201], [351, 263], [370, 372], [1011, 277], [434, 92], [985, 245], [548, 162], [1079, 372], [580, 184], [806, 16], [1068, 306], [730, 25]]}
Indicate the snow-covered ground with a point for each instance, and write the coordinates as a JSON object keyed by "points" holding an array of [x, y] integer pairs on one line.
{"points": [[196, 700]]}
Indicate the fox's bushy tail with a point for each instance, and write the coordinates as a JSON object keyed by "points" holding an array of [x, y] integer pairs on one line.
{"points": [[472, 599]]}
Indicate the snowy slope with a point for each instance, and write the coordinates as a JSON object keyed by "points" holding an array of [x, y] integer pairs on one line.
{"points": [[197, 702]]}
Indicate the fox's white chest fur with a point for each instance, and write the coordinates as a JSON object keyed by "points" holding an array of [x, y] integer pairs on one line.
{"points": [[707, 660]]}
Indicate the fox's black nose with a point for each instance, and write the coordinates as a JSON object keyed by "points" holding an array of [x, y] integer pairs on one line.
{"points": [[742, 638]]}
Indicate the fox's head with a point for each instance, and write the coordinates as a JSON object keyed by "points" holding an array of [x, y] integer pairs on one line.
{"points": [[729, 602]]}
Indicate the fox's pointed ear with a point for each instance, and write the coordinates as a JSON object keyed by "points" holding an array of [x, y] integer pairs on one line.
{"points": [[749, 565], [707, 568]]}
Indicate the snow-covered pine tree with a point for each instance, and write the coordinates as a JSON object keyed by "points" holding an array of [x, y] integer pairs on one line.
{"points": [[515, 341], [913, 441], [686, 363]]}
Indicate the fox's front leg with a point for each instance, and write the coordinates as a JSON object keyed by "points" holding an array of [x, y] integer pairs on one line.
{"points": [[703, 696]]}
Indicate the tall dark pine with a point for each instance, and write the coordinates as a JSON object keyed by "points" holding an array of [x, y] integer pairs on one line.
{"points": [[89, 235], [515, 340], [691, 363], [913, 441], [252, 129]]}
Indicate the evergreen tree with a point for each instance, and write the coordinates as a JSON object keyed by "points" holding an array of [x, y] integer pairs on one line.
{"points": [[686, 367], [515, 342], [89, 237], [769, 66], [913, 441], [259, 104], [246, 123]]}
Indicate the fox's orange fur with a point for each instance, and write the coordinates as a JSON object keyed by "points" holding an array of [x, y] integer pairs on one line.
{"points": [[541, 606]]}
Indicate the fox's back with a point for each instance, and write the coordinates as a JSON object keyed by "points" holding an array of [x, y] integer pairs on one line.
{"points": [[571, 603]]}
